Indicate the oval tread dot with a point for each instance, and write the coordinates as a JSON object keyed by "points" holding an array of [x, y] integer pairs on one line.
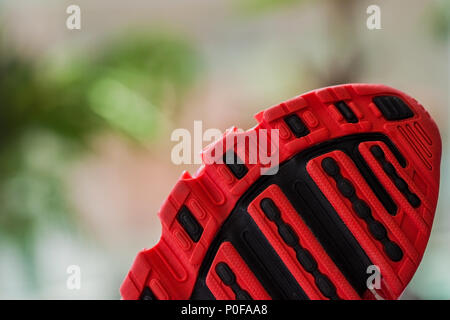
{"points": [[413, 200], [235, 164], [377, 152], [147, 294], [393, 251], [306, 260], [400, 184], [298, 128], [288, 235], [388, 168], [270, 209], [225, 274], [346, 111], [330, 166], [229, 279], [377, 230], [190, 224], [362, 209], [346, 188], [325, 286]]}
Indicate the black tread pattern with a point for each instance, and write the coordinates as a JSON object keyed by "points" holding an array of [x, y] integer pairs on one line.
{"points": [[235, 164], [303, 255], [317, 212], [376, 186], [229, 279], [376, 228], [189, 224], [399, 183], [296, 125], [346, 112], [257, 253], [393, 108], [147, 294]]}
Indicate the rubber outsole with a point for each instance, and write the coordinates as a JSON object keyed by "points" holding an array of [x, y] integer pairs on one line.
{"points": [[357, 186]]}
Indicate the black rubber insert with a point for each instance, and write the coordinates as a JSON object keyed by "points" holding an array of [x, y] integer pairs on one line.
{"points": [[389, 169], [346, 112], [393, 251], [325, 286], [270, 210], [345, 187], [315, 210], [413, 200], [307, 260], [189, 224], [296, 125], [229, 279], [225, 274], [376, 228], [292, 240], [330, 166], [379, 190], [258, 254], [393, 108], [361, 208], [288, 235], [147, 294], [235, 164]]}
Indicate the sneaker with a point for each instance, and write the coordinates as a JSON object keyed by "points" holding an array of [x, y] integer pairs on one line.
{"points": [[345, 211]]}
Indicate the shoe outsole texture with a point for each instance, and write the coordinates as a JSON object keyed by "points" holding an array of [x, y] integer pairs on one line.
{"points": [[357, 186]]}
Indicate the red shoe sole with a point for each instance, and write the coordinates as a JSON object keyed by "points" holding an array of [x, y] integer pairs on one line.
{"points": [[357, 186]]}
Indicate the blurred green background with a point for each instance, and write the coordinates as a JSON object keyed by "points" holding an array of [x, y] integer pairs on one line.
{"points": [[86, 115]]}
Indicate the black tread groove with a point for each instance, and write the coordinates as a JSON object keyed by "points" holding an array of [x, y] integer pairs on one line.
{"points": [[399, 183], [189, 224], [296, 125], [292, 240], [346, 112], [376, 186], [315, 209], [393, 108], [147, 294], [229, 279], [376, 228], [235, 164]]}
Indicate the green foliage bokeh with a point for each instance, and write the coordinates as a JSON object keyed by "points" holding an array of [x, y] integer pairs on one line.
{"points": [[51, 107]]}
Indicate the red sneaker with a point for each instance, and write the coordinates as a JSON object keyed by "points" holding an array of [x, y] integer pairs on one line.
{"points": [[357, 187]]}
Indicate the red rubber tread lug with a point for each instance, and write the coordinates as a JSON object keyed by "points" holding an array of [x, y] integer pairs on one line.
{"points": [[353, 223], [244, 276], [416, 215], [286, 254], [392, 223], [307, 240], [170, 268]]}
